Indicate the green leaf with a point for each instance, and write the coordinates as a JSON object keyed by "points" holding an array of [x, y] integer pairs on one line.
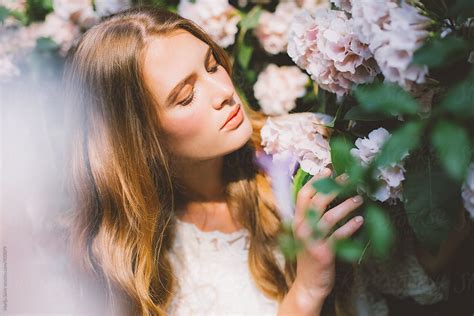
{"points": [[399, 144], [37, 10], [336, 117], [440, 51], [244, 54], [460, 99], [251, 19], [20, 16], [289, 245], [385, 98], [348, 250], [454, 148], [341, 157], [356, 173], [432, 200], [380, 230], [47, 4], [46, 44], [312, 217], [251, 76], [299, 180], [4, 13], [356, 113], [327, 185]]}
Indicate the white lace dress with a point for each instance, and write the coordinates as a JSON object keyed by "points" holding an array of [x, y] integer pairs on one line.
{"points": [[214, 278], [213, 275]]}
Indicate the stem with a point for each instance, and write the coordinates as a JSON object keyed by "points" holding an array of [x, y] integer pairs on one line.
{"points": [[363, 252]]}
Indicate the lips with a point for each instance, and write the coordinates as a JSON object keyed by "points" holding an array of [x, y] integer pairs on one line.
{"points": [[231, 115]]}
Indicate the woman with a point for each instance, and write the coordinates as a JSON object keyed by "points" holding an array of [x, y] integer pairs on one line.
{"points": [[162, 160]]}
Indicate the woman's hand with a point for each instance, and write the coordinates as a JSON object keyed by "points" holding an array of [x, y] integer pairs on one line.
{"points": [[315, 270]]}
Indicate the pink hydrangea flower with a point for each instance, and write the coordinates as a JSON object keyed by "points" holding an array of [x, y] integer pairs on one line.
{"points": [[277, 88], [272, 28], [217, 17], [301, 136], [389, 178], [393, 32], [325, 45]]}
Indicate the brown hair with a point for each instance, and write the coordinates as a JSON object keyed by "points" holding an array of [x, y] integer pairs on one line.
{"points": [[122, 186]]}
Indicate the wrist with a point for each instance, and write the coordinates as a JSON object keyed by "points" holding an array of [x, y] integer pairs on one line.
{"points": [[301, 300]]}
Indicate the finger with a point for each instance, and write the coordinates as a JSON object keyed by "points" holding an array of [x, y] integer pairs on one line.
{"points": [[303, 199], [348, 229], [305, 228], [339, 212], [320, 201]]}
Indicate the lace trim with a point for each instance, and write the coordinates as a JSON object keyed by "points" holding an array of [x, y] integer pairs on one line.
{"points": [[215, 240], [211, 268]]}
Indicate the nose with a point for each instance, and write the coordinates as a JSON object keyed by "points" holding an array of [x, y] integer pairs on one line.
{"points": [[222, 94]]}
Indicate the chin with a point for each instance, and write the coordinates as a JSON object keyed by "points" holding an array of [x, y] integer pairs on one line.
{"points": [[240, 136], [246, 131]]}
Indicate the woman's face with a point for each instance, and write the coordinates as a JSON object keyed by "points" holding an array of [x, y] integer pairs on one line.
{"points": [[192, 114]]}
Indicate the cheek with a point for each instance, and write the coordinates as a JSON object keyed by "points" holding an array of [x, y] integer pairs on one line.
{"points": [[184, 125]]}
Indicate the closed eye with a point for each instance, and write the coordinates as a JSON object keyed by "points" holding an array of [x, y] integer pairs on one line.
{"points": [[190, 99]]}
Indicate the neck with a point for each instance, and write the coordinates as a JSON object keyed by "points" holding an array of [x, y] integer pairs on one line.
{"points": [[203, 199], [202, 181]]}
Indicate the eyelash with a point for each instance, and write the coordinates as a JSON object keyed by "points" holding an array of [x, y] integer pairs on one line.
{"points": [[191, 98]]}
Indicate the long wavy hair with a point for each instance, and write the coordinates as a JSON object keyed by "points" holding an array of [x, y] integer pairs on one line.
{"points": [[123, 187]]}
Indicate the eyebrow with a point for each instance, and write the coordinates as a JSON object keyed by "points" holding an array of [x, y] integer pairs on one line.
{"points": [[174, 93]]}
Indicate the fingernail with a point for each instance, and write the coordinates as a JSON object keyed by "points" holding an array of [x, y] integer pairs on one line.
{"points": [[357, 199], [326, 171], [344, 177], [358, 219]]}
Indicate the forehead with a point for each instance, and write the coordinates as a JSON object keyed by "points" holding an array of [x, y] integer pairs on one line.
{"points": [[169, 59]]}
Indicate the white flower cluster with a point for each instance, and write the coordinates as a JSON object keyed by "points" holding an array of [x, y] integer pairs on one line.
{"points": [[325, 45], [389, 178], [217, 17], [312, 5], [272, 28], [15, 42], [107, 7], [277, 88], [79, 12], [62, 31], [301, 136], [468, 191], [63, 26], [394, 30]]}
